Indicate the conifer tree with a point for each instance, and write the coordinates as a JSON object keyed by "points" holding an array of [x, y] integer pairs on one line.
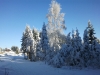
{"points": [[36, 42], [44, 42], [86, 48], [23, 45], [28, 43], [91, 32]]}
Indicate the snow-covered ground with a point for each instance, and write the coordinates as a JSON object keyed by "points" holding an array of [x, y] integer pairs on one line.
{"points": [[13, 64]]}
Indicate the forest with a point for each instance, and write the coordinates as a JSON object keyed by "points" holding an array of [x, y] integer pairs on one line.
{"points": [[55, 48]]}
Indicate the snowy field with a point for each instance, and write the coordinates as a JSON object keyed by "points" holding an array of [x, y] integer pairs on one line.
{"points": [[13, 64]]}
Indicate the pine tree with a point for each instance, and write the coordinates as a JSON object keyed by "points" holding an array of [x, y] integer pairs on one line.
{"points": [[78, 45], [68, 39], [58, 60], [36, 43], [28, 43], [92, 42], [94, 49], [76, 48], [44, 42], [38, 47], [23, 45], [38, 51], [86, 48], [91, 47], [65, 51], [95, 54], [91, 32], [73, 50], [35, 34]]}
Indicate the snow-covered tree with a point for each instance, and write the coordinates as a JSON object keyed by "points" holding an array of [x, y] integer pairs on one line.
{"points": [[35, 34], [76, 49], [86, 48], [78, 44], [92, 42], [94, 47], [36, 43], [73, 50], [38, 47], [44, 42], [56, 24], [38, 51], [90, 54], [23, 45], [15, 49], [91, 32], [65, 50], [95, 54], [28, 43], [58, 60], [68, 39]]}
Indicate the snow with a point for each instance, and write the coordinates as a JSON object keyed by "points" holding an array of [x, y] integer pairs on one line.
{"points": [[15, 64]]}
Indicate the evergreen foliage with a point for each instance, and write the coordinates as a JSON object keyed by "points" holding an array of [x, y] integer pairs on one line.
{"points": [[57, 49]]}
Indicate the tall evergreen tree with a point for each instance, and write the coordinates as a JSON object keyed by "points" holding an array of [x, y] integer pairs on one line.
{"points": [[86, 48], [73, 50], [76, 49], [90, 47], [92, 42], [28, 43], [36, 42], [23, 45], [91, 32], [44, 42]]}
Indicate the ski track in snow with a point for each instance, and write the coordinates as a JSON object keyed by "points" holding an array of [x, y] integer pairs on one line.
{"points": [[16, 65]]}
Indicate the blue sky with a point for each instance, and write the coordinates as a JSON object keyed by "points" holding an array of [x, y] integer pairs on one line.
{"points": [[15, 14]]}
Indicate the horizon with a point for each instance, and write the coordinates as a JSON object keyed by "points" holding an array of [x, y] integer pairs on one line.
{"points": [[15, 15]]}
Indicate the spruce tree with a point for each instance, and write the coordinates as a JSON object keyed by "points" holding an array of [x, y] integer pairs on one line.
{"points": [[44, 42], [86, 48], [76, 49], [23, 45], [28, 43], [91, 32], [36, 42]]}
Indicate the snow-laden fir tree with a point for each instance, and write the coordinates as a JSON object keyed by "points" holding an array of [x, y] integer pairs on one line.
{"points": [[91, 47], [67, 51], [58, 59], [63, 56], [78, 45], [23, 45], [94, 53], [91, 32], [92, 44], [36, 43], [38, 47], [86, 48], [44, 42], [39, 53], [35, 34], [76, 49], [56, 24], [68, 39], [28, 43], [73, 50], [95, 61]]}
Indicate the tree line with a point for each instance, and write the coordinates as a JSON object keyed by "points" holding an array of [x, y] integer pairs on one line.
{"points": [[57, 49]]}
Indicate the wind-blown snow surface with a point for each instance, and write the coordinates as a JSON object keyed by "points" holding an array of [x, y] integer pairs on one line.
{"points": [[13, 64]]}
